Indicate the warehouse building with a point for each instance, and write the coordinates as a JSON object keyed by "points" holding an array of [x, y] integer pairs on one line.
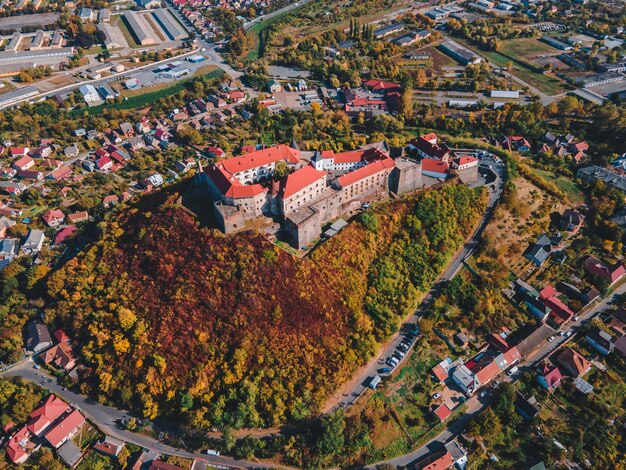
{"points": [[170, 26], [140, 28], [599, 79], [12, 97], [464, 56]]}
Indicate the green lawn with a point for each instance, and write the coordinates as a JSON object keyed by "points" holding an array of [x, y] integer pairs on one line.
{"points": [[145, 99], [525, 47], [549, 84], [566, 185]]}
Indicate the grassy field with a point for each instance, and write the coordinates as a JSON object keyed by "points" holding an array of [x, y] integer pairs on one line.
{"points": [[549, 84], [566, 185], [143, 98], [526, 47]]}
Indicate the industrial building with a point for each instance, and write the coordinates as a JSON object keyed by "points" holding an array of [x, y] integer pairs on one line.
{"points": [[12, 97], [113, 37], [90, 95], [599, 79], [177, 72], [140, 28], [504, 94], [464, 56], [170, 26]]}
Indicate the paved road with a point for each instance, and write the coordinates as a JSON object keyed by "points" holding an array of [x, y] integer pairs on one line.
{"points": [[271, 15], [476, 404], [105, 417], [360, 382]]}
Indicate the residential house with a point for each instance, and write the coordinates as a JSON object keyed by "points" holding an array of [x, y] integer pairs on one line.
{"points": [[76, 217], [608, 273], [539, 252], [61, 356], [37, 337], [600, 340], [143, 126], [64, 234], [19, 151], [136, 143], [160, 465], [42, 418], [5, 225], [526, 407], [19, 446], [34, 242], [549, 377], [571, 221], [104, 163], [60, 173], [65, 429], [110, 200], [573, 363], [71, 151], [442, 412], [273, 86], [24, 163], [127, 129], [109, 446], [53, 218], [620, 345], [427, 146], [441, 371]]}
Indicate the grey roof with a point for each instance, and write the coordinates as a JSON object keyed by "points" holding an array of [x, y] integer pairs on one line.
{"points": [[540, 250], [464, 376], [583, 386], [37, 333], [34, 240], [594, 173], [455, 450], [70, 453], [7, 246]]}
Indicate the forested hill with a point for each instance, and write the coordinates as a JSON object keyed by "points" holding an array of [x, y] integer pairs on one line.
{"points": [[172, 318]]}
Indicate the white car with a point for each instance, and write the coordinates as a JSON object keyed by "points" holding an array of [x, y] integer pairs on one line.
{"points": [[436, 395], [550, 339]]}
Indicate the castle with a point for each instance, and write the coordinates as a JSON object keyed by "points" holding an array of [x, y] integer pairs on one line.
{"points": [[320, 186]]}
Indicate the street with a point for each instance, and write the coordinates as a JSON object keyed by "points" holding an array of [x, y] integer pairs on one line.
{"points": [[475, 404], [105, 417], [349, 394]]}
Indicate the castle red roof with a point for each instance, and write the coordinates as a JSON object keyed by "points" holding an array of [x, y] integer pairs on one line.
{"points": [[261, 157], [300, 179], [231, 186], [365, 171], [436, 166]]}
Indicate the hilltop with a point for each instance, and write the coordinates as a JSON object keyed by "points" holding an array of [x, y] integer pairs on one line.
{"points": [[172, 317]]}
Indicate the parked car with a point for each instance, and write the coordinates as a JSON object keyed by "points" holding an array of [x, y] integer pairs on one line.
{"points": [[437, 395]]}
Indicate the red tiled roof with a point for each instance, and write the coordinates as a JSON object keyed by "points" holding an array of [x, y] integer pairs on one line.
{"points": [[558, 308], [17, 444], [61, 336], [23, 162], [365, 171], [487, 373], [381, 85], [547, 292], [553, 378], [436, 166], [443, 412], [464, 160], [63, 234], [52, 215], [46, 414], [573, 362], [442, 463], [231, 186], [67, 426], [102, 161], [261, 157], [431, 149], [438, 372], [18, 150], [300, 179], [61, 172], [603, 270]]}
